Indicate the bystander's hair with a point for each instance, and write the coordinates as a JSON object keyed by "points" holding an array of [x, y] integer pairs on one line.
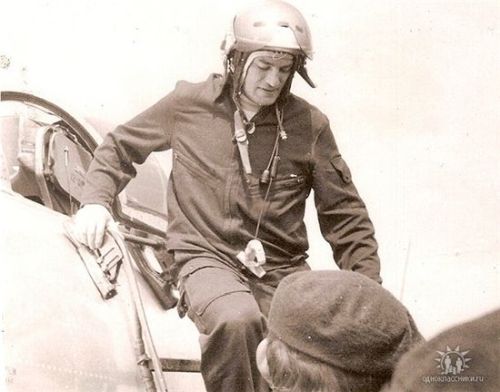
{"points": [[293, 371]]}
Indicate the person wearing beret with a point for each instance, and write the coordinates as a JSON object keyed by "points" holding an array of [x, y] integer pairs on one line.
{"points": [[334, 331]]}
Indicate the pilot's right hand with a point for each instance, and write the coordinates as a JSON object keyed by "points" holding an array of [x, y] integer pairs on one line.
{"points": [[90, 223]]}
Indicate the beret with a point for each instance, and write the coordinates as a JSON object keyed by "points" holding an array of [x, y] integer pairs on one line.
{"points": [[344, 319]]}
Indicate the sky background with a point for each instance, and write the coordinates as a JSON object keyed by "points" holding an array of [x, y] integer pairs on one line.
{"points": [[411, 88]]}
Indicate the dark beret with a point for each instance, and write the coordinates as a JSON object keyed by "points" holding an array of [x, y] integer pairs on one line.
{"points": [[344, 319]]}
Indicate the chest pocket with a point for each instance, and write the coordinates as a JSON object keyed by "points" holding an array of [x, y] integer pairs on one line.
{"points": [[283, 184], [342, 169], [291, 182]]}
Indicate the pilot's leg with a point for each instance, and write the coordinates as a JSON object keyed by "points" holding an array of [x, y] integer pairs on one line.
{"points": [[231, 326]]}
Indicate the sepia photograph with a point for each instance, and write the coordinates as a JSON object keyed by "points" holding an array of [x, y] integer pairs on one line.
{"points": [[250, 196]]}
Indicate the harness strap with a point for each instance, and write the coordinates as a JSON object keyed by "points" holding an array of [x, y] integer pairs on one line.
{"points": [[242, 141]]}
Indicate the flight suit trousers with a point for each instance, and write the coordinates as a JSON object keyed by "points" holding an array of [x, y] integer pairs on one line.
{"points": [[229, 307]]}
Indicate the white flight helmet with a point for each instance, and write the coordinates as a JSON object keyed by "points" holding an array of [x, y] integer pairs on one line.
{"points": [[270, 25]]}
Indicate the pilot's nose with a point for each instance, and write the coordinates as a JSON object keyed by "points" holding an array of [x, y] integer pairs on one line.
{"points": [[273, 78]]}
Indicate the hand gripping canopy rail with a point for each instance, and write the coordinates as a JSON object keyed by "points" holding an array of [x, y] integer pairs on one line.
{"points": [[55, 150]]}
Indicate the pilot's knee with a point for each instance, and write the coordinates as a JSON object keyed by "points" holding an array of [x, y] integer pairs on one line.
{"points": [[243, 320]]}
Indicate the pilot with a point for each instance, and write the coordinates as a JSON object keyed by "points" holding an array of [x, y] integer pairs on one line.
{"points": [[246, 155]]}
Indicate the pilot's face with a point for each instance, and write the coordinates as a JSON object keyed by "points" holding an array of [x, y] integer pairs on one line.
{"points": [[266, 77]]}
